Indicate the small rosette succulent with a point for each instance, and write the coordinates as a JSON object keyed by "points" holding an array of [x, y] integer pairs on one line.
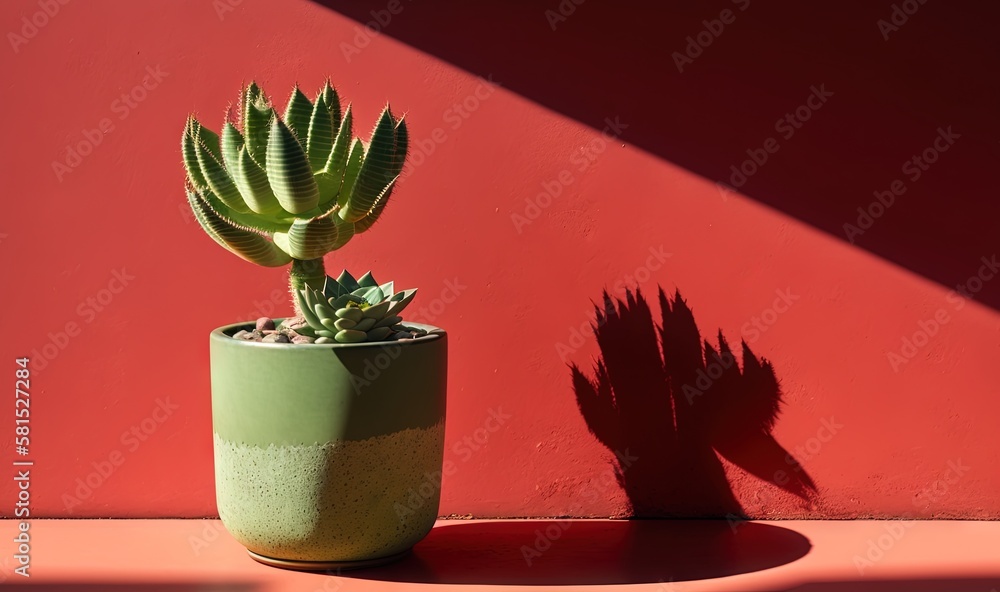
{"points": [[353, 311]]}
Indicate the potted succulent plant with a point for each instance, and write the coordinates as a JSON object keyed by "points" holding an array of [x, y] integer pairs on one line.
{"points": [[326, 423]]}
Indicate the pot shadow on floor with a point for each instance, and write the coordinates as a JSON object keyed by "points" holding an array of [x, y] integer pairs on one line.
{"points": [[668, 405], [566, 553]]}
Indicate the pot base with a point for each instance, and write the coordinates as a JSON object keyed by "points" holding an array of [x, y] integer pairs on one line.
{"points": [[328, 566]]}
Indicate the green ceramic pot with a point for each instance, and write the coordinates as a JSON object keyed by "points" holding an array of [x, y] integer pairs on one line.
{"points": [[328, 456]]}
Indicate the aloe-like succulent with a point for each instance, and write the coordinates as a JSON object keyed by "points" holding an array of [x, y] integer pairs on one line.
{"points": [[351, 311], [277, 190]]}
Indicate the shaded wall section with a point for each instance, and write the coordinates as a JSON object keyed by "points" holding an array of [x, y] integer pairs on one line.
{"points": [[518, 209], [813, 109]]}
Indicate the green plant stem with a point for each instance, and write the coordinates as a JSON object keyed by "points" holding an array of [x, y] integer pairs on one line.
{"points": [[305, 272]]}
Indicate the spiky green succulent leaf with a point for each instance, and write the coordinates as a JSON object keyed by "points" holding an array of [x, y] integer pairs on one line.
{"points": [[337, 161], [297, 115], [310, 239], [331, 178], [252, 183], [259, 224], [281, 241], [399, 158], [216, 176], [257, 116], [249, 96], [320, 140], [208, 139], [345, 231], [231, 142], [240, 241], [191, 165], [328, 186], [351, 170], [323, 155], [332, 100], [368, 221], [376, 170], [402, 147], [289, 171], [197, 137], [328, 209]]}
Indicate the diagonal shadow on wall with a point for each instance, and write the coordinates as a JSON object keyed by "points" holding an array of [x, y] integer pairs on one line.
{"points": [[852, 107], [668, 404]]}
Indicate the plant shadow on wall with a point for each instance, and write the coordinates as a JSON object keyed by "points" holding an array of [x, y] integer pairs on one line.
{"points": [[675, 403]]}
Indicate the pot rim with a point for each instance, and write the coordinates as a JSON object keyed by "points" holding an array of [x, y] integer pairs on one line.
{"points": [[225, 333]]}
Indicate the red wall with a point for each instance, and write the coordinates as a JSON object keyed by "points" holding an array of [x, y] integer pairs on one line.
{"points": [[107, 274]]}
